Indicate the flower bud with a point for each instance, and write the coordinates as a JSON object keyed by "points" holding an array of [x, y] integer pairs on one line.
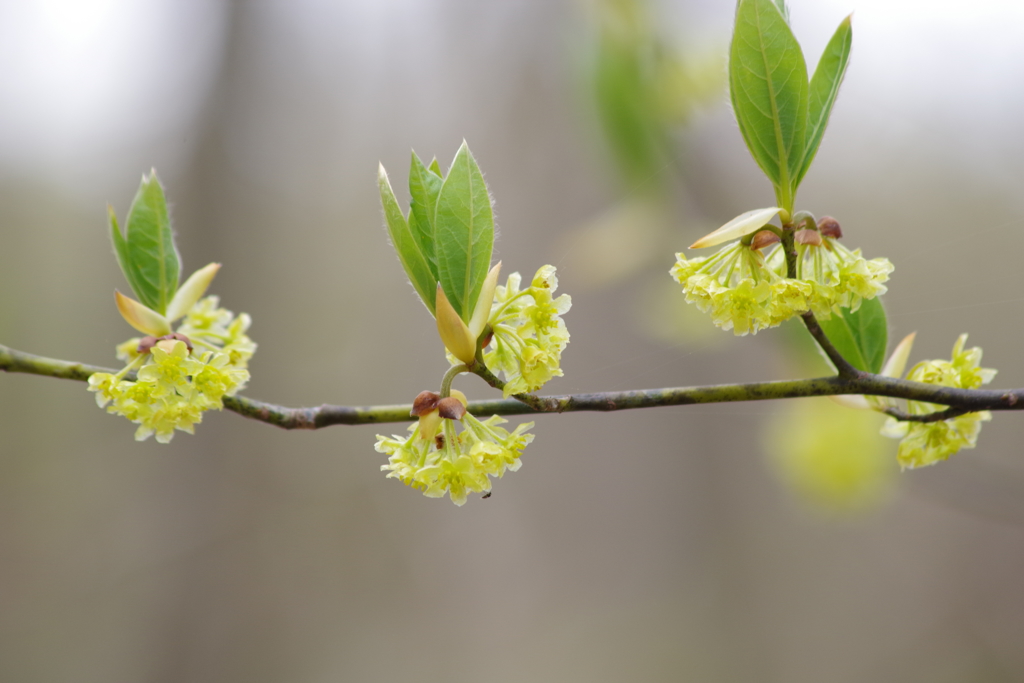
{"points": [[829, 227]]}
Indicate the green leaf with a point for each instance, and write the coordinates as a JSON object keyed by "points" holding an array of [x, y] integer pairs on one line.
{"points": [[435, 168], [120, 247], [463, 233], [146, 253], [768, 86], [409, 254], [860, 336], [424, 187], [823, 90]]}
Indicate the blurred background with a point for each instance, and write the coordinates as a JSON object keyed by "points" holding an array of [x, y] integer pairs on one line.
{"points": [[714, 543]]}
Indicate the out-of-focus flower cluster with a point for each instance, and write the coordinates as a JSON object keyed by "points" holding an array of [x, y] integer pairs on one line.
{"points": [[930, 442], [529, 334], [745, 288], [181, 375], [437, 458]]}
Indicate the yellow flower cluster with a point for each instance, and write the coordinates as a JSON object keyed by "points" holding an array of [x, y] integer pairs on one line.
{"points": [[740, 292], [529, 334], [175, 385], [442, 460], [746, 291], [930, 442], [838, 277]]}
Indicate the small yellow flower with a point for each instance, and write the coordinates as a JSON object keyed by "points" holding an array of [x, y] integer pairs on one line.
{"points": [[174, 383], [746, 288], [436, 458], [529, 334], [930, 442]]}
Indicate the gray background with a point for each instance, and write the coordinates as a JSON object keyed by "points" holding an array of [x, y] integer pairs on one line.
{"points": [[657, 545]]}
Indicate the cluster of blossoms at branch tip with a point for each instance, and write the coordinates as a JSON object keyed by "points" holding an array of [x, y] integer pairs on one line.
{"points": [[529, 334], [437, 459], [930, 442], [179, 375], [745, 288]]}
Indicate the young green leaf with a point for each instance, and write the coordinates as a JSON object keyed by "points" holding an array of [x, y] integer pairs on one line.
{"points": [[860, 336], [120, 248], [463, 233], [146, 253], [823, 90], [435, 168], [768, 86], [424, 187], [412, 259]]}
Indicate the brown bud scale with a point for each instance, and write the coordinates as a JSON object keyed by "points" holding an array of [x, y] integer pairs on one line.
{"points": [[425, 402], [830, 227], [812, 237], [451, 408], [146, 343], [179, 337], [763, 239]]}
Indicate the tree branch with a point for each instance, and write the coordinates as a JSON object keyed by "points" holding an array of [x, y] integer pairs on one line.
{"points": [[960, 400], [937, 416]]}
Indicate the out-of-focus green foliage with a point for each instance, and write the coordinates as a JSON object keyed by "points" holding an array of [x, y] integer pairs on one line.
{"points": [[643, 88]]}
